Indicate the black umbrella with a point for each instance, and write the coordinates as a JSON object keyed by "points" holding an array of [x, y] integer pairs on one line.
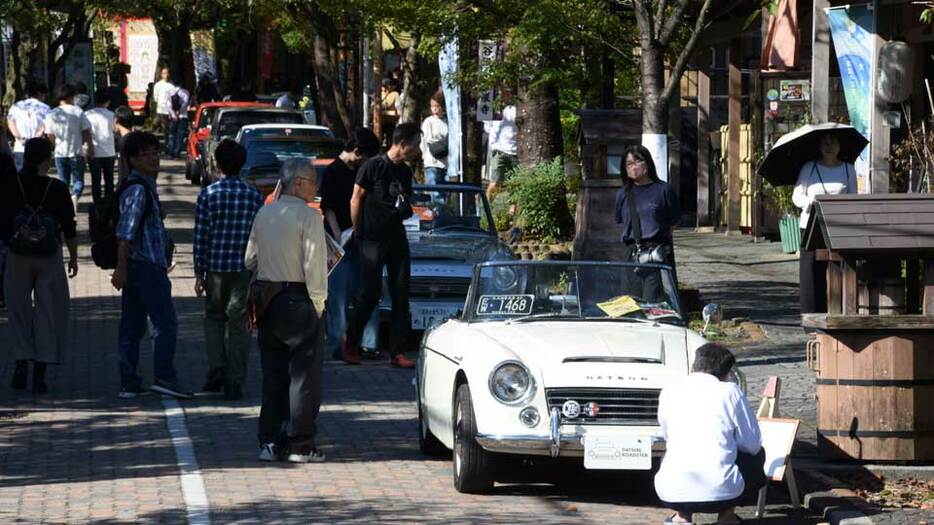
{"points": [[783, 162]]}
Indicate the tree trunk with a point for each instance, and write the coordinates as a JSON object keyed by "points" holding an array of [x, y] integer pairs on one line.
{"points": [[654, 108], [472, 129], [175, 48], [538, 118], [410, 96]]}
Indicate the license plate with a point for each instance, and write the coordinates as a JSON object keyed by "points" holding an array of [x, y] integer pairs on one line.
{"points": [[617, 452], [424, 317]]}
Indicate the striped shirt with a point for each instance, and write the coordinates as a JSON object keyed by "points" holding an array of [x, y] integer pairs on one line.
{"points": [[223, 219]]}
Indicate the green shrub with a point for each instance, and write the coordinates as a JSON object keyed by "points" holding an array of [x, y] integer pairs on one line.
{"points": [[540, 194], [502, 216]]}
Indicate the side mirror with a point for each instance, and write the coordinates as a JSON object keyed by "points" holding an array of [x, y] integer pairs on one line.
{"points": [[712, 313]]}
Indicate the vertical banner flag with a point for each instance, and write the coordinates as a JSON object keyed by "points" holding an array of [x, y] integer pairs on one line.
{"points": [[487, 50], [447, 63], [851, 28], [203, 53]]}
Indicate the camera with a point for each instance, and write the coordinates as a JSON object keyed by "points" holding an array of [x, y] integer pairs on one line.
{"points": [[648, 255]]}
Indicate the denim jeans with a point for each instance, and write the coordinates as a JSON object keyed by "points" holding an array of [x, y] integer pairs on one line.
{"points": [[178, 131], [343, 284], [102, 167], [435, 175], [18, 160], [71, 172], [147, 293]]}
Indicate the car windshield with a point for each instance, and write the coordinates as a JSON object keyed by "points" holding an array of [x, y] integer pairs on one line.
{"points": [[272, 153], [231, 122], [450, 210], [547, 291], [256, 133]]}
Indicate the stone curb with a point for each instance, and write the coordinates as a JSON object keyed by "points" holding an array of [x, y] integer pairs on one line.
{"points": [[838, 506]]}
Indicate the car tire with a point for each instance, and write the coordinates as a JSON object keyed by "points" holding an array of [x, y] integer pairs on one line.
{"points": [[473, 466], [428, 444], [196, 173], [188, 170]]}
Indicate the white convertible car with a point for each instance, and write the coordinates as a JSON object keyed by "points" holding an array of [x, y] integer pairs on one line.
{"points": [[553, 358]]}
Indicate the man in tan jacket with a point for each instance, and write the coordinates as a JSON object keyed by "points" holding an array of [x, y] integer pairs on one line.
{"points": [[287, 252]]}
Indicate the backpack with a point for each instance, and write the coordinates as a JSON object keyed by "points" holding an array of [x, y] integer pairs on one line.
{"points": [[35, 232], [176, 101], [103, 217]]}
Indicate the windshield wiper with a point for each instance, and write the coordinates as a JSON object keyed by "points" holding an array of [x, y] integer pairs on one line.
{"points": [[544, 315], [458, 226], [627, 319]]}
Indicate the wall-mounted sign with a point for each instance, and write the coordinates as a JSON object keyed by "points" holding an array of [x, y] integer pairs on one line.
{"points": [[772, 94], [795, 90]]}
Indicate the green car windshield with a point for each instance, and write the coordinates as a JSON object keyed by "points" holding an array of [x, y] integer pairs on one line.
{"points": [[551, 290]]}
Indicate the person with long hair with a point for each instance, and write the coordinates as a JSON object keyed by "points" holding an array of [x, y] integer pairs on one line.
{"points": [[827, 174], [648, 211], [34, 282]]}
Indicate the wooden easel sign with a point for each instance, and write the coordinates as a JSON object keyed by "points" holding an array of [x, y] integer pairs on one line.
{"points": [[778, 436]]}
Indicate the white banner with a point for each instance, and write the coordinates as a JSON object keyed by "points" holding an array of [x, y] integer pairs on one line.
{"points": [[142, 54], [447, 63], [657, 144]]}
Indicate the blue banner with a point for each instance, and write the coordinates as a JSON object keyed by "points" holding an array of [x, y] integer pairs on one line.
{"points": [[852, 29], [447, 63]]}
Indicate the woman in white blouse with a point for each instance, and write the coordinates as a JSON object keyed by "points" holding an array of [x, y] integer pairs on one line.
{"points": [[827, 175]]}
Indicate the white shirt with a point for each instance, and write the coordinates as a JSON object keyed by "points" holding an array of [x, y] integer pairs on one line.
{"points": [[287, 245], [102, 131], [28, 116], [66, 123], [158, 94], [433, 130], [705, 422], [817, 179], [503, 132], [286, 102]]}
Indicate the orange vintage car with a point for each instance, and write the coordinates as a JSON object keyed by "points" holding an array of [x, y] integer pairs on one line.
{"points": [[200, 129]]}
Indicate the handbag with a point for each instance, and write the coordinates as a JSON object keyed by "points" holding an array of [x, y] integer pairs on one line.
{"points": [[438, 149], [35, 232]]}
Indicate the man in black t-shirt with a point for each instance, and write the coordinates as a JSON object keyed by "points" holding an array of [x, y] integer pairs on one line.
{"points": [[337, 183], [379, 205]]}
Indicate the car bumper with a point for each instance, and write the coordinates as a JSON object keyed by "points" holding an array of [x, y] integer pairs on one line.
{"points": [[571, 445]]}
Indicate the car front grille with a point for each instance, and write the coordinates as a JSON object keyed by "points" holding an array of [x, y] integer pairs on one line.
{"points": [[616, 406], [439, 287]]}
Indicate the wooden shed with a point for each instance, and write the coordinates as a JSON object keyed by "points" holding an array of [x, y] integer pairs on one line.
{"points": [[875, 346], [603, 135]]}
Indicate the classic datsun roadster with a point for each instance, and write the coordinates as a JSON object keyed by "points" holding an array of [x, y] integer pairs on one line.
{"points": [[553, 358]]}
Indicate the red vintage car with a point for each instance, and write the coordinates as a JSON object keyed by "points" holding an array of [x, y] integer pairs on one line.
{"points": [[200, 129]]}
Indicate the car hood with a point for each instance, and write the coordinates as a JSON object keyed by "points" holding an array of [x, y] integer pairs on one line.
{"points": [[598, 354], [471, 248]]}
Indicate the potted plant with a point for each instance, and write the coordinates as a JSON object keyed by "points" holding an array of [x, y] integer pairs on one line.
{"points": [[779, 199]]}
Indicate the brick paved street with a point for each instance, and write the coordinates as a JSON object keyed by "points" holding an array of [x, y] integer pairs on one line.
{"points": [[81, 455]]}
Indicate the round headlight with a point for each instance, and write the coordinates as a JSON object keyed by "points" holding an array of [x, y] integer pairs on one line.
{"points": [[504, 278], [511, 383], [529, 417]]}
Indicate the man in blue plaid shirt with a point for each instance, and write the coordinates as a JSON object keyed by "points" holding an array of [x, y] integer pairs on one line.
{"points": [[224, 218]]}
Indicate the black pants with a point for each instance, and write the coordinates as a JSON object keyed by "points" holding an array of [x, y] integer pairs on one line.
{"points": [[291, 343], [652, 287], [751, 467], [394, 255], [813, 277]]}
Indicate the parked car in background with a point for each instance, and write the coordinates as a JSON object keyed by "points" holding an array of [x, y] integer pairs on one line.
{"points": [[255, 131], [561, 359], [227, 122], [265, 155], [450, 231], [200, 130]]}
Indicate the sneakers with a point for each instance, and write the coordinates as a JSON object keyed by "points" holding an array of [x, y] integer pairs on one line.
{"points": [[233, 393], [350, 355], [169, 388], [214, 382], [130, 392], [306, 456], [400, 361], [269, 452]]}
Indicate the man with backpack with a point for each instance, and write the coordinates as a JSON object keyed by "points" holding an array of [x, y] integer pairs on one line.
{"points": [[223, 218], [179, 98], [141, 273]]}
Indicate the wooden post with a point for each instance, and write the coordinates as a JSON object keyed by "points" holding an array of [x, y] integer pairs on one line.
{"points": [[755, 101], [820, 63], [880, 141], [834, 288], [913, 286], [927, 303], [674, 143], [734, 198], [703, 148], [849, 293]]}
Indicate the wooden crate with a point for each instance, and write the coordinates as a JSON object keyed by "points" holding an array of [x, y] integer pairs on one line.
{"points": [[875, 393]]}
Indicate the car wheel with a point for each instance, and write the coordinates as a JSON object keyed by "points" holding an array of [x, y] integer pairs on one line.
{"points": [[197, 173], [473, 469], [428, 444], [188, 170]]}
